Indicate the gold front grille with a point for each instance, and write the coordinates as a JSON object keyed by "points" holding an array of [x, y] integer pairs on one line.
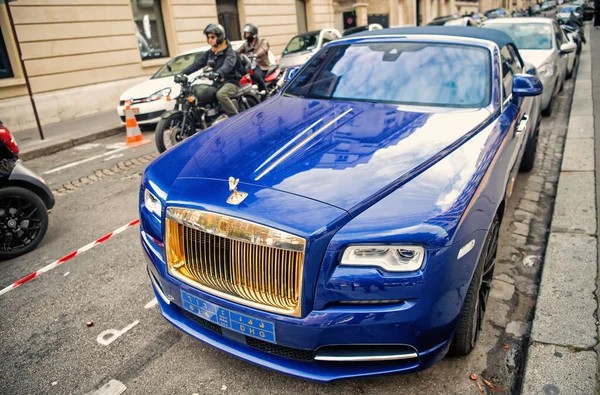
{"points": [[236, 259]]}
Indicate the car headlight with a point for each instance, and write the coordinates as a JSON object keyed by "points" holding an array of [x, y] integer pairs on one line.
{"points": [[152, 203], [389, 258], [546, 70], [159, 95]]}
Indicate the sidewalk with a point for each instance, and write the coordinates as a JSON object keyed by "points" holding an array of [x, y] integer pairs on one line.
{"points": [[62, 135], [562, 356]]}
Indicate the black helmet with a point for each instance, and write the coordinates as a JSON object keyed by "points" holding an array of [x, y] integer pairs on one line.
{"points": [[252, 29], [217, 30]]}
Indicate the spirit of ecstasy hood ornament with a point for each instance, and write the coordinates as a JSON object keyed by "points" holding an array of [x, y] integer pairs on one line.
{"points": [[236, 197]]}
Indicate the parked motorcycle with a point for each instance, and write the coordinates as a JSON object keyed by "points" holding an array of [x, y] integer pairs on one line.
{"points": [[274, 80], [24, 202], [197, 108]]}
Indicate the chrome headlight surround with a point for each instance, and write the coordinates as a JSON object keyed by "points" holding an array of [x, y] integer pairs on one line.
{"points": [[391, 258]]}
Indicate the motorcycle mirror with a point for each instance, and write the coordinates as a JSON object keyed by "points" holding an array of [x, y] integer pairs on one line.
{"points": [[211, 63]]}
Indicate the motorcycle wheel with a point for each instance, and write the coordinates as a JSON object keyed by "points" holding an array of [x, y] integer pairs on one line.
{"points": [[168, 132], [23, 221]]}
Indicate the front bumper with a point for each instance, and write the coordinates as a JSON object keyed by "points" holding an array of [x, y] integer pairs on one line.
{"points": [[302, 342], [147, 113]]}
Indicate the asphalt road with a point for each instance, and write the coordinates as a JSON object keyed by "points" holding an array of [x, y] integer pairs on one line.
{"points": [[46, 346]]}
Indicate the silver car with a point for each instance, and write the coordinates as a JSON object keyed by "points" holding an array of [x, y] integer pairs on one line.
{"points": [[303, 46], [542, 43]]}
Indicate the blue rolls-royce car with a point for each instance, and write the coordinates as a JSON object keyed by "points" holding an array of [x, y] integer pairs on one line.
{"points": [[349, 225]]}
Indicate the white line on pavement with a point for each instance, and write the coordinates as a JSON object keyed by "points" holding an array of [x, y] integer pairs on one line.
{"points": [[91, 158], [151, 304], [113, 387]]}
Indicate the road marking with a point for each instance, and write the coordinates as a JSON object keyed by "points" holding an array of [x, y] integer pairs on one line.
{"points": [[114, 149], [151, 304], [113, 387], [68, 256], [113, 334], [115, 156]]}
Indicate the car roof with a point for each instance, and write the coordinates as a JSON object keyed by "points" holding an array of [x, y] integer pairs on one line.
{"points": [[496, 36]]}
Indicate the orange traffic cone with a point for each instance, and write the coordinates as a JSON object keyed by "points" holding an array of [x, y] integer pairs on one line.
{"points": [[134, 135]]}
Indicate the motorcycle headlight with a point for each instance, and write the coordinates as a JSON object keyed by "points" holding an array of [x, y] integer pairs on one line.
{"points": [[152, 203], [389, 258], [546, 70], [159, 95]]}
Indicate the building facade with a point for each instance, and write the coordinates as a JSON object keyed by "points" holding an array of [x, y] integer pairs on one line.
{"points": [[81, 55]]}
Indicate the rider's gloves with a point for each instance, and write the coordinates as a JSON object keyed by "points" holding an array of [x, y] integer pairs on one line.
{"points": [[213, 76]]}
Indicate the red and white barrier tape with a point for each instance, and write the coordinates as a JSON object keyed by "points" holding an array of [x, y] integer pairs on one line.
{"points": [[69, 256]]}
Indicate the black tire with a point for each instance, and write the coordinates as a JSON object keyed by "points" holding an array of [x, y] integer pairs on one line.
{"points": [[562, 84], [528, 159], [546, 112], [165, 128], [470, 321], [23, 221]]}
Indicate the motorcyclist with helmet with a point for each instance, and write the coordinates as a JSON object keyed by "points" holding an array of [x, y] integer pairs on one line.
{"points": [[260, 48], [224, 58]]}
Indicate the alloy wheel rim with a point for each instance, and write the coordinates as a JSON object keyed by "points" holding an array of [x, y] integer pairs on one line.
{"points": [[487, 276], [20, 223]]}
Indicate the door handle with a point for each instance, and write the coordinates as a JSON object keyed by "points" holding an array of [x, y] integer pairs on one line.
{"points": [[522, 124]]}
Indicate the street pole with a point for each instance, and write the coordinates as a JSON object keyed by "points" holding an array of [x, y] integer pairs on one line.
{"points": [[14, 31]]}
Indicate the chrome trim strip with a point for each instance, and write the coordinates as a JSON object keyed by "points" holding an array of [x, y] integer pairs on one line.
{"points": [[236, 229], [301, 144], [365, 358], [158, 288]]}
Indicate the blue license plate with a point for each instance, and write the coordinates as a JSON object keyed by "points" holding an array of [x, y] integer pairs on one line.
{"points": [[249, 326]]}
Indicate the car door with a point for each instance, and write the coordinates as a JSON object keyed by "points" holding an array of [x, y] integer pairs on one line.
{"points": [[515, 117]]}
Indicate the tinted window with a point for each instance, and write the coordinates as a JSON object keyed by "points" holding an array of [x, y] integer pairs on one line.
{"points": [[526, 35], [150, 29], [400, 73]]}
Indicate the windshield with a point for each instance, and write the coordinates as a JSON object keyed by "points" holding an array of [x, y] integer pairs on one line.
{"points": [[400, 73], [526, 35], [304, 42], [176, 65]]}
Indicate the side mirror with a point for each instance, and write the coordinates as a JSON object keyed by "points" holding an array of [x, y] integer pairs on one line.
{"points": [[568, 48], [211, 63], [526, 85], [291, 73]]}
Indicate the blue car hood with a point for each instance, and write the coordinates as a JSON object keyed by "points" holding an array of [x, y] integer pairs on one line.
{"points": [[336, 152]]}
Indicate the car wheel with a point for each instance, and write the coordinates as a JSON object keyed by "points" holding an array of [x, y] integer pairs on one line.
{"points": [[23, 221], [528, 159], [548, 110], [470, 321], [562, 84]]}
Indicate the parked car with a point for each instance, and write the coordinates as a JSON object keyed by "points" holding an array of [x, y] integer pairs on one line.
{"points": [[496, 13], [24, 202], [149, 98], [571, 56], [542, 43], [358, 29], [348, 227], [301, 47], [462, 21], [566, 10], [546, 6], [534, 10]]}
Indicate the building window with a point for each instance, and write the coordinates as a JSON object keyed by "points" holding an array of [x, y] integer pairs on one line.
{"points": [[150, 29], [229, 18], [5, 69]]}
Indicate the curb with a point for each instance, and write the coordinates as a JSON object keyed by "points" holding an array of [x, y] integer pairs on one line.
{"points": [[63, 144], [561, 355]]}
